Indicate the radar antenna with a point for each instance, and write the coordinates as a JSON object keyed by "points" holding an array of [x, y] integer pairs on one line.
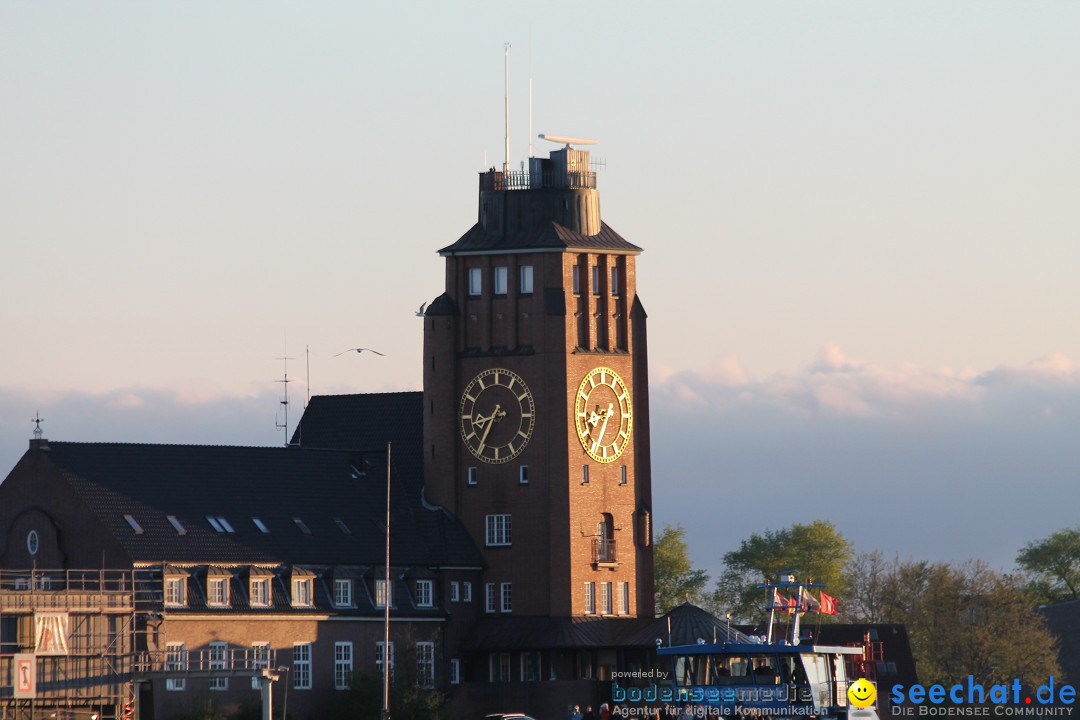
{"points": [[567, 140]]}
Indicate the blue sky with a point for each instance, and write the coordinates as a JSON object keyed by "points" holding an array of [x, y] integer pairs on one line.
{"points": [[858, 219]]}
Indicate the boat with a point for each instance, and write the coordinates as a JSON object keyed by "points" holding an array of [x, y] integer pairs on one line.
{"points": [[766, 676]]}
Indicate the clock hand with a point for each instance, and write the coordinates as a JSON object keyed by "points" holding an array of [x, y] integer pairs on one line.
{"points": [[603, 428], [488, 422]]}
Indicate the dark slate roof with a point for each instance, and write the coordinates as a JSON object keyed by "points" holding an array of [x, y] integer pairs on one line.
{"points": [[688, 624], [1063, 620], [546, 236], [191, 482]]}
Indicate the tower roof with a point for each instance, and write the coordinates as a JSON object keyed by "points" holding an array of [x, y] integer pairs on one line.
{"points": [[548, 236]]}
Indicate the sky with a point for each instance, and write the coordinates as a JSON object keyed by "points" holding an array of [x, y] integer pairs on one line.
{"points": [[859, 221]]}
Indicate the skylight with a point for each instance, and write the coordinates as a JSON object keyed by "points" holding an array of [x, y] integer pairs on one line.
{"points": [[261, 525], [176, 524], [134, 525], [342, 526], [225, 524], [214, 523], [300, 524]]}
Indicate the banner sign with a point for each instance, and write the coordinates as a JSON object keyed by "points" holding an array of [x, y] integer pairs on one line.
{"points": [[50, 633], [25, 675]]}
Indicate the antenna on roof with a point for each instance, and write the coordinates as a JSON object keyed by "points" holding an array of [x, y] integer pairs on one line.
{"points": [[506, 105], [37, 420], [284, 400], [530, 97]]}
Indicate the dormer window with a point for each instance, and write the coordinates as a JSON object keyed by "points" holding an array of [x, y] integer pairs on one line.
{"points": [[424, 593], [381, 594], [176, 591], [301, 592], [217, 591], [343, 592], [260, 591]]}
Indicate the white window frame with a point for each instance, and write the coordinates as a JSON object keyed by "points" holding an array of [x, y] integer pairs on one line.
{"points": [[489, 597], [506, 597], [497, 530], [218, 659], [260, 659], [455, 591], [476, 282], [175, 591], [176, 660], [425, 593], [381, 593], [217, 591], [500, 280], [301, 666], [526, 279], [425, 665], [466, 591], [343, 665], [590, 598], [302, 592], [605, 598], [343, 588], [261, 597], [455, 671], [379, 657]]}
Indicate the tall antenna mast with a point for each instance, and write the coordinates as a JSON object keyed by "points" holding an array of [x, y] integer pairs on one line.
{"points": [[530, 97], [285, 399], [506, 105], [307, 353]]}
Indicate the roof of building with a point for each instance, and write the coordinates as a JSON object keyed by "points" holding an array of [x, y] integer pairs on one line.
{"points": [[1063, 620], [209, 504], [545, 236]]}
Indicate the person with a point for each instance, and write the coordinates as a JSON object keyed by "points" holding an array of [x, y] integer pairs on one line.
{"points": [[576, 715], [605, 712], [589, 714]]}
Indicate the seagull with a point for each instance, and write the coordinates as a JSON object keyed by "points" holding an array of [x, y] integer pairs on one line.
{"points": [[420, 312], [360, 350]]}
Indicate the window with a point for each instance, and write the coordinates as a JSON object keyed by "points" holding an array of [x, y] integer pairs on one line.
{"points": [[261, 525], [260, 659], [175, 661], [577, 279], [302, 525], [175, 591], [425, 664], [32, 542], [217, 591], [342, 665], [455, 591], [343, 592], [498, 530], [489, 597], [614, 281], [504, 667], [381, 594], [424, 593], [218, 659], [455, 672], [605, 598], [596, 279], [500, 281], [176, 525], [260, 592], [466, 592], [523, 475], [506, 595], [530, 666], [301, 666], [622, 474], [301, 592], [526, 279], [624, 598], [476, 281], [379, 657], [472, 476], [590, 598], [134, 524], [342, 526], [584, 474]]}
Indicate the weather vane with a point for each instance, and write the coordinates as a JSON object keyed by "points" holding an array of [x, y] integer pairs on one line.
{"points": [[37, 420]]}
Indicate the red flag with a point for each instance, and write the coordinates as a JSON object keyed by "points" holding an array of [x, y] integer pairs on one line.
{"points": [[828, 604], [783, 602]]}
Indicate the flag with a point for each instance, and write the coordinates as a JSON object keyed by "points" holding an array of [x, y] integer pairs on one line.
{"points": [[808, 601], [828, 604], [783, 602]]}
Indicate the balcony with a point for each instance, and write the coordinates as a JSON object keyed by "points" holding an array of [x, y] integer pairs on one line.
{"points": [[603, 552]]}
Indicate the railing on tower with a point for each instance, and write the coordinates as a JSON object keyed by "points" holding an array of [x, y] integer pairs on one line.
{"points": [[603, 550], [522, 180]]}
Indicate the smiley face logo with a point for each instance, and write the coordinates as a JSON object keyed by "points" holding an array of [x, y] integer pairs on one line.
{"points": [[862, 693]]}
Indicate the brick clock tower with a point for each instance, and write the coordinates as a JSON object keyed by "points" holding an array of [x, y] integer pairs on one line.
{"points": [[536, 400]]}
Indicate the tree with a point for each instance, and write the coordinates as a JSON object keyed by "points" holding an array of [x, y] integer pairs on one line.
{"points": [[817, 551], [1054, 564], [962, 620], [675, 577]]}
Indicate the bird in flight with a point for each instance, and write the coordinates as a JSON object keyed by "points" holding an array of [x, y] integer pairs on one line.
{"points": [[420, 312], [360, 350]]}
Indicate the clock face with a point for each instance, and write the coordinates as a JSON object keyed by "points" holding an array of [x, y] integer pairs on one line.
{"points": [[604, 415], [497, 415]]}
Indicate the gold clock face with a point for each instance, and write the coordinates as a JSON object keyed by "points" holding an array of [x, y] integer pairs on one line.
{"points": [[604, 415], [497, 415]]}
